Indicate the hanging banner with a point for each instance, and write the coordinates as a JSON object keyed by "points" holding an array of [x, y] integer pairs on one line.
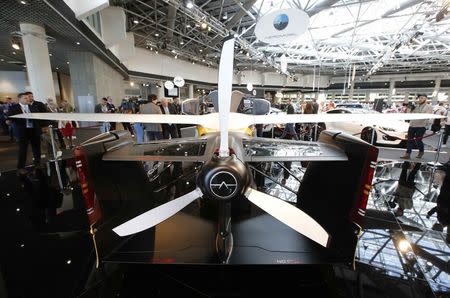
{"points": [[282, 26]]}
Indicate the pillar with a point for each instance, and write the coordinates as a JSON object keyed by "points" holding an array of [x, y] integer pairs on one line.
{"points": [[191, 91], [437, 86], [352, 90], [391, 89], [406, 98], [161, 90], [38, 61], [92, 79]]}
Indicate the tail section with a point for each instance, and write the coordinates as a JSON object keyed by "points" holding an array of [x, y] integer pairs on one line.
{"points": [[335, 193]]}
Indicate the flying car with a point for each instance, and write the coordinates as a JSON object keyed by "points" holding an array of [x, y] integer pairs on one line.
{"points": [[247, 226]]}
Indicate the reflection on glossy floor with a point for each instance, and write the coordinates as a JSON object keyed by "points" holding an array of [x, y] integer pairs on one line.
{"points": [[48, 248], [429, 258]]}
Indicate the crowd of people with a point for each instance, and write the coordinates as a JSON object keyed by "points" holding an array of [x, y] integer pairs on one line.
{"points": [[28, 132], [152, 105]]}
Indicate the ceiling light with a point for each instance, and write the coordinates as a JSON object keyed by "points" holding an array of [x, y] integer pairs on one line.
{"points": [[50, 54], [15, 45], [193, 62], [225, 16], [176, 56], [403, 245], [136, 21], [156, 34], [203, 60], [23, 2], [14, 53], [156, 51], [57, 68], [209, 28], [67, 62], [2, 59], [188, 26], [173, 51], [201, 50], [189, 4], [182, 42], [203, 26], [131, 84]]}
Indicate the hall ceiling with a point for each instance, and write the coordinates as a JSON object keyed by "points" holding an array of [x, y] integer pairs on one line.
{"points": [[372, 36]]}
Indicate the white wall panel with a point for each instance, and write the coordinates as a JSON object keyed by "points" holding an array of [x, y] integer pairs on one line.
{"points": [[84, 8], [113, 25]]}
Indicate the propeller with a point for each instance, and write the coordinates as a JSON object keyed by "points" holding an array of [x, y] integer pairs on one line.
{"points": [[289, 215], [225, 83], [225, 177], [157, 215]]}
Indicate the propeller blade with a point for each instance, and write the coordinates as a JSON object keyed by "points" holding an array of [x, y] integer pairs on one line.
{"points": [[157, 215], [107, 117], [289, 215], [225, 83]]}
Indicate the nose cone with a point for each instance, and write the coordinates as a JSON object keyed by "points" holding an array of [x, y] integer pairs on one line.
{"points": [[223, 178]]}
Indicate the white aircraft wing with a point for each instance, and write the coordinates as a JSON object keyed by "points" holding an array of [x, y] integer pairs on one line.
{"points": [[316, 118], [204, 120], [236, 120]]}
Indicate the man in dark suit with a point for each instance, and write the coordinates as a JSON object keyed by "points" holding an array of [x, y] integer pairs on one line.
{"points": [[36, 106], [27, 131], [111, 109], [169, 130]]}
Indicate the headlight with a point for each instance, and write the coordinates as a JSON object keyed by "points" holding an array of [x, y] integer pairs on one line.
{"points": [[386, 128]]}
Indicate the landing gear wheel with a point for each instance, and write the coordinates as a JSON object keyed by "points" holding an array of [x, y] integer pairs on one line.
{"points": [[366, 135]]}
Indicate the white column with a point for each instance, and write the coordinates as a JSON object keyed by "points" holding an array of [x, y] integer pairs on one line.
{"points": [[406, 99], [161, 90], [352, 90], [191, 91], [38, 61], [434, 100], [391, 90]]}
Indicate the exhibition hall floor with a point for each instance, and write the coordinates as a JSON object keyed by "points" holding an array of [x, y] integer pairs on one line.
{"points": [[48, 251]]}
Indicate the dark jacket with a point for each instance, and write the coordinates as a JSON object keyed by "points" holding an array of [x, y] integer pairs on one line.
{"points": [[172, 111], [290, 109], [20, 125]]}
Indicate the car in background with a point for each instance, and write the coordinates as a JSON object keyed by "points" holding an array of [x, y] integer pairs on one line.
{"points": [[387, 132], [267, 128], [350, 105]]}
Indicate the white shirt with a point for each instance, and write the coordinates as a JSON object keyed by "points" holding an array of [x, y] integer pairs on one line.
{"points": [[424, 108], [26, 110], [166, 111]]}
